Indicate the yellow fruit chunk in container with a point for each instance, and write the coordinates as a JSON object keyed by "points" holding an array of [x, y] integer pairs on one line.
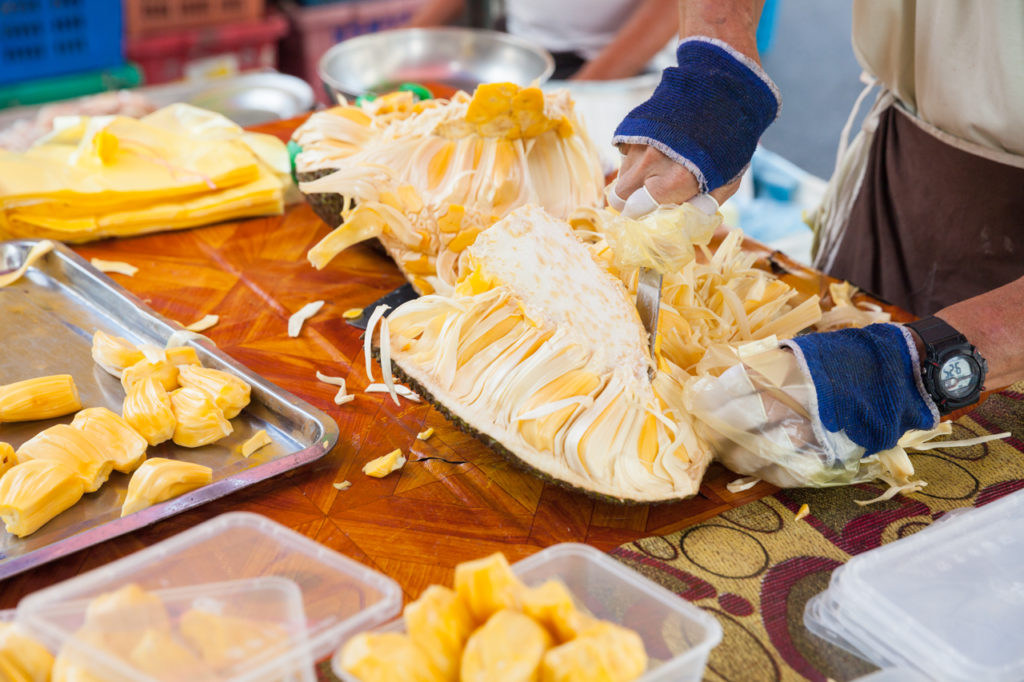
{"points": [[239, 597], [613, 609]]}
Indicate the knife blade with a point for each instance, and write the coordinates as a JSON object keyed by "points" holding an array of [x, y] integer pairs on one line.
{"points": [[648, 285]]}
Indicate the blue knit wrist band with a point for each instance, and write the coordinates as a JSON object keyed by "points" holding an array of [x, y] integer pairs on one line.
{"points": [[867, 383], [707, 113]]}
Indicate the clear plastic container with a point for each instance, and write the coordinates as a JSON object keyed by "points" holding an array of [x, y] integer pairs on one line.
{"points": [[947, 601], [250, 585], [678, 636]]}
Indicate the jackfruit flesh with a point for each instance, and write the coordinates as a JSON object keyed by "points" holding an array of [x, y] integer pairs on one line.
{"points": [[163, 371], [114, 353], [34, 492], [160, 479], [487, 586], [74, 449], [147, 409], [115, 621], [509, 647], [162, 656], [427, 182], [387, 657], [39, 398], [226, 641], [22, 658], [228, 392], [122, 444], [603, 653], [551, 605], [439, 623], [198, 419], [385, 464], [7, 457]]}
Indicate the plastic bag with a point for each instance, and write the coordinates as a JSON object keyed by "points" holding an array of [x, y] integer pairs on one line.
{"points": [[662, 240]]}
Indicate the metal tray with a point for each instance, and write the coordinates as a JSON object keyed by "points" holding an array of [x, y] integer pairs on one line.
{"points": [[47, 319]]}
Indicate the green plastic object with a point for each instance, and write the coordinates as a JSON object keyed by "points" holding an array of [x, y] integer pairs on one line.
{"points": [[363, 99], [415, 88], [294, 149], [73, 85]]}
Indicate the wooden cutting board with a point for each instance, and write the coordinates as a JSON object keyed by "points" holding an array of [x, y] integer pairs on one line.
{"points": [[455, 500]]}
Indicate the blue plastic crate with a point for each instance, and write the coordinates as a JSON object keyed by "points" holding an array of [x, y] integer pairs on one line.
{"points": [[42, 38]]}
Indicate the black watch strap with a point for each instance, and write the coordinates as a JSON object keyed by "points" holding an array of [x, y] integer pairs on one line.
{"points": [[936, 332]]}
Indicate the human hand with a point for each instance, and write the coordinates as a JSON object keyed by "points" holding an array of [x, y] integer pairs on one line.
{"points": [[667, 181]]}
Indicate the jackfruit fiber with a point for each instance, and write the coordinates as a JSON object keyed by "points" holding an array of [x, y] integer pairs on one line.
{"points": [[428, 178]]}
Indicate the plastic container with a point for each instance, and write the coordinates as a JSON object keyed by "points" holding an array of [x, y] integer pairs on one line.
{"points": [[312, 30], [237, 565], [154, 16], [208, 52], [678, 636], [43, 38], [947, 601]]}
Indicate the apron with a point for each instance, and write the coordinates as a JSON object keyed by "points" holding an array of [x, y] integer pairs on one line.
{"points": [[926, 206]]}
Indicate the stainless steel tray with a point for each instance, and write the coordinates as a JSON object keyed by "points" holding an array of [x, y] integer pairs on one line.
{"points": [[47, 319]]}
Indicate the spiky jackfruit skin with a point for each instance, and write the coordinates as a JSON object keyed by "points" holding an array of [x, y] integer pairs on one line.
{"points": [[326, 206]]}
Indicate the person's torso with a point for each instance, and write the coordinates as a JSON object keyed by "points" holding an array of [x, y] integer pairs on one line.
{"points": [[568, 26], [958, 65]]}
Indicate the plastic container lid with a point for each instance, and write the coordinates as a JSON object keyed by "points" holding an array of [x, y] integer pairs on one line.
{"points": [[677, 635], [267, 592], [948, 600]]}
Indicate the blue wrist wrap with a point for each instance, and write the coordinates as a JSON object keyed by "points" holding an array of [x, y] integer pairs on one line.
{"points": [[867, 384], [707, 113]]}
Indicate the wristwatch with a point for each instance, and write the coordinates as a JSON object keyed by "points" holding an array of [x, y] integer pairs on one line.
{"points": [[952, 370]]}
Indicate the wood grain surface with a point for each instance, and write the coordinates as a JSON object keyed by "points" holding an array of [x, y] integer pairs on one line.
{"points": [[455, 500]]}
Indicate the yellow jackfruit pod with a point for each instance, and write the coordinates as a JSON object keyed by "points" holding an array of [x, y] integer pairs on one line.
{"points": [[147, 409], [39, 398], [487, 586], [121, 442], [68, 668], [159, 654], [115, 621], [439, 623], [7, 457], [182, 355], [605, 652], [22, 658], [387, 657], [165, 373], [551, 605], [160, 479], [509, 647], [199, 420], [36, 491], [114, 353], [225, 641], [385, 464], [228, 392], [72, 448]]}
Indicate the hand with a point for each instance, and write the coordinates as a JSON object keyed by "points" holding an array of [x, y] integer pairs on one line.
{"points": [[667, 181]]}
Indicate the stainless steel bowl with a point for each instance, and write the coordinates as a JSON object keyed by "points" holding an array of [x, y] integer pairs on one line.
{"points": [[457, 57]]}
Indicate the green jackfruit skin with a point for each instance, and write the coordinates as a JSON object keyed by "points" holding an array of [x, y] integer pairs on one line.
{"points": [[326, 206], [503, 451]]}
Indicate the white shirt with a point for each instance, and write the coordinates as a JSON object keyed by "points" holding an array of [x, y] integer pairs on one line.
{"points": [[581, 26]]}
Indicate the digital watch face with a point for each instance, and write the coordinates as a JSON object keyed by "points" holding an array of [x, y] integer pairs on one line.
{"points": [[957, 377]]}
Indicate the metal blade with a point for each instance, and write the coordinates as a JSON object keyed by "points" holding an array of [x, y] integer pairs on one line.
{"points": [[394, 299], [648, 301]]}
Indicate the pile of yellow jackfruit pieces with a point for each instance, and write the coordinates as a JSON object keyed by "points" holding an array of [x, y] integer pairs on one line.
{"points": [[493, 627], [176, 168], [169, 396], [135, 627]]}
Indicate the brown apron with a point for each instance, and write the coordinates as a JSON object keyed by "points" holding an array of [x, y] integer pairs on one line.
{"points": [[932, 224]]}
